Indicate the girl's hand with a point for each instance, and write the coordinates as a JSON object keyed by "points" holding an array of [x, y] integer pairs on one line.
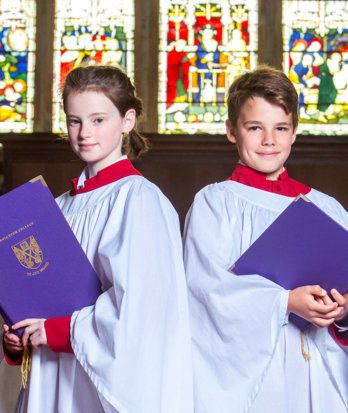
{"points": [[13, 344], [312, 303], [34, 333], [342, 301]]}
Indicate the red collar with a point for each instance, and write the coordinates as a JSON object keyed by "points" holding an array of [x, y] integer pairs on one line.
{"points": [[108, 175], [284, 185]]}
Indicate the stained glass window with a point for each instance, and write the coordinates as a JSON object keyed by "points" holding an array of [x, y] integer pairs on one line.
{"points": [[315, 37], [17, 61], [90, 32], [204, 45]]}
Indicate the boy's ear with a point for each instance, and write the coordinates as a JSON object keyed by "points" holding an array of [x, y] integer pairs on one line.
{"points": [[294, 134], [231, 136], [129, 120]]}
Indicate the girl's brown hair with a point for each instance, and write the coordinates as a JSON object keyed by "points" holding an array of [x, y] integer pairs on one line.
{"points": [[268, 83], [115, 85]]}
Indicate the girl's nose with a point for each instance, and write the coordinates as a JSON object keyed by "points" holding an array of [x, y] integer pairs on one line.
{"points": [[84, 131]]}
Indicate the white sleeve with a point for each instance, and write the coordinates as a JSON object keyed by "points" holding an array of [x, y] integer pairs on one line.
{"points": [[235, 321], [135, 343]]}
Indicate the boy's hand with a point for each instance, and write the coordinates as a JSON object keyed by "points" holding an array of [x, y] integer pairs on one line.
{"points": [[13, 344], [342, 301], [34, 332], [312, 303]]}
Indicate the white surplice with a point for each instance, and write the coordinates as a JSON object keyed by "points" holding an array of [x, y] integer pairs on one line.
{"points": [[247, 357], [132, 350]]}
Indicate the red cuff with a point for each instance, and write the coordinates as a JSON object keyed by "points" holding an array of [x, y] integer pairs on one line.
{"points": [[58, 334], [12, 359], [341, 338]]}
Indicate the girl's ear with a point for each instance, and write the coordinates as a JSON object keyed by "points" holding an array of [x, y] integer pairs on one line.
{"points": [[231, 136], [129, 120]]}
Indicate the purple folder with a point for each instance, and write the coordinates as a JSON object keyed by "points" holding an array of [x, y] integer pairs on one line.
{"points": [[303, 246], [43, 270]]}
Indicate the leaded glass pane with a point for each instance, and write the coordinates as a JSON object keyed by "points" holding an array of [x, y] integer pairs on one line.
{"points": [[204, 46], [315, 37], [90, 32], [17, 61]]}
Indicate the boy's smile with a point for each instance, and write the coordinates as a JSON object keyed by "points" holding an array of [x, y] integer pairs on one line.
{"points": [[264, 135]]}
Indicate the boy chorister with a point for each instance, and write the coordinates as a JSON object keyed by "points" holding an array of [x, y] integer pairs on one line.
{"points": [[247, 356]]}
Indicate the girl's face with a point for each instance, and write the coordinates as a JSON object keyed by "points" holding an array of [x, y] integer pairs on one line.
{"points": [[264, 135], [95, 128]]}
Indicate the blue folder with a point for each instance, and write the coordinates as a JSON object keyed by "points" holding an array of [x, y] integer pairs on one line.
{"points": [[43, 270], [303, 246]]}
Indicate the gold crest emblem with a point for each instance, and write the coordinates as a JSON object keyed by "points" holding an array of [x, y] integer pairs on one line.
{"points": [[28, 253]]}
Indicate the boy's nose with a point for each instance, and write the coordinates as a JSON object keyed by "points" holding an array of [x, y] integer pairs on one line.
{"points": [[268, 138]]}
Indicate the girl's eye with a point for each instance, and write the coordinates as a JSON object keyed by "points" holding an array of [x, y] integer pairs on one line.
{"points": [[72, 122], [98, 120]]}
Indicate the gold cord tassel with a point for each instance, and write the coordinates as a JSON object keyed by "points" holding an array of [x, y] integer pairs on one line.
{"points": [[26, 365], [305, 355]]}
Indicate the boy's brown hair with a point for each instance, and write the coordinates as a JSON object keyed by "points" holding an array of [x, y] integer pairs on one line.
{"points": [[268, 83]]}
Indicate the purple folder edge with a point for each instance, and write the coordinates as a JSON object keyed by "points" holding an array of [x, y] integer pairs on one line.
{"points": [[300, 322]]}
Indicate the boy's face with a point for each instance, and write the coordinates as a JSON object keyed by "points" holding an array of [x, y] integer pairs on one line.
{"points": [[263, 135]]}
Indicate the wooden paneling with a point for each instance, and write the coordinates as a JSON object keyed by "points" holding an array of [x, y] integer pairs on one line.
{"points": [[27, 156], [179, 165]]}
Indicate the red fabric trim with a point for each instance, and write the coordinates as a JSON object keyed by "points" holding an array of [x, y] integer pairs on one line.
{"points": [[283, 185], [58, 334], [108, 175], [11, 359], [341, 338]]}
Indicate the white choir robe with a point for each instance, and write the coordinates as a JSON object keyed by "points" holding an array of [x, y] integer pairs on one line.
{"points": [[10, 382], [247, 356], [132, 349]]}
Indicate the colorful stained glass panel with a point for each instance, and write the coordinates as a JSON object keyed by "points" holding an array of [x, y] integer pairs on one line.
{"points": [[90, 32], [315, 37], [204, 46], [17, 61]]}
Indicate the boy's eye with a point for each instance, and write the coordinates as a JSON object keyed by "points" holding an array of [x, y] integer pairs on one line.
{"points": [[282, 128], [254, 128], [98, 120]]}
